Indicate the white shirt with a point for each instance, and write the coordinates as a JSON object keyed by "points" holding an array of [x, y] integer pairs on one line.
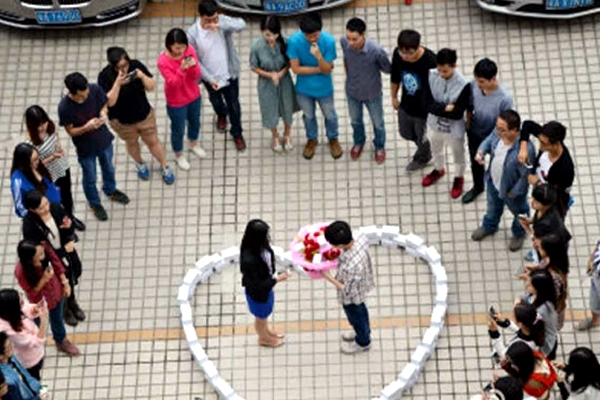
{"points": [[497, 167], [212, 53], [544, 167], [54, 236]]}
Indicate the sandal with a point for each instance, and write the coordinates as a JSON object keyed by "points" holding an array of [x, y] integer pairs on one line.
{"points": [[287, 144], [276, 145], [585, 325]]}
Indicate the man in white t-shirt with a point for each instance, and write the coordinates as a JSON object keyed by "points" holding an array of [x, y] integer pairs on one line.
{"points": [[505, 179], [211, 37]]}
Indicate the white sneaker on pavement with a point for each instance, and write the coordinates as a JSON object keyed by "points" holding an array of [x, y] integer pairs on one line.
{"points": [[183, 163], [348, 336], [353, 348], [198, 151]]}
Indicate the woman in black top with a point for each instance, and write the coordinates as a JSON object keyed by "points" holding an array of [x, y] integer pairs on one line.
{"points": [[582, 375], [48, 222], [257, 264], [553, 164]]}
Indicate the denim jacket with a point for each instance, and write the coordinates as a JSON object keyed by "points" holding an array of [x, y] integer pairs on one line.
{"points": [[26, 389], [514, 174], [228, 26]]}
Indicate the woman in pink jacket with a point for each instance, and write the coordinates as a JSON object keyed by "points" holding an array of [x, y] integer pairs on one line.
{"points": [[179, 66], [16, 319]]}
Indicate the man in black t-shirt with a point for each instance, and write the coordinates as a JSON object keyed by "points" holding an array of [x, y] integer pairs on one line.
{"points": [[126, 81], [83, 113], [411, 63]]}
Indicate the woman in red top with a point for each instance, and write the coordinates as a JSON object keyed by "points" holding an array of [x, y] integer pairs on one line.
{"points": [[41, 275]]}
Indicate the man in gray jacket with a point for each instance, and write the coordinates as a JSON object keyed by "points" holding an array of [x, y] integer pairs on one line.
{"points": [[211, 37], [446, 84]]}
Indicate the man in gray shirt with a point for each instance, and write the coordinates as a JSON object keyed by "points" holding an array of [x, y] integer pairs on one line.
{"points": [[364, 60]]}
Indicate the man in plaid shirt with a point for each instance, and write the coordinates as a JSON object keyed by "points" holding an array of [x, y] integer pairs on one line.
{"points": [[354, 279]]}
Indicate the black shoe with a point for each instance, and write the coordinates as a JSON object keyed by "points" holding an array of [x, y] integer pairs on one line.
{"points": [[68, 315], [100, 213], [119, 197], [471, 195], [75, 309], [77, 224]]}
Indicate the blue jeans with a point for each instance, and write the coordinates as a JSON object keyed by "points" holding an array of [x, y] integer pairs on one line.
{"points": [[375, 108], [308, 106], [189, 113], [358, 317], [88, 180], [495, 208], [57, 324]]}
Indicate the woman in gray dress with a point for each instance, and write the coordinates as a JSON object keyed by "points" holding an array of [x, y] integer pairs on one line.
{"points": [[276, 93]]}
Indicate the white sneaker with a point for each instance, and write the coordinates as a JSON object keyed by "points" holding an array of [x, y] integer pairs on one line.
{"points": [[348, 336], [353, 348], [198, 151], [183, 163]]}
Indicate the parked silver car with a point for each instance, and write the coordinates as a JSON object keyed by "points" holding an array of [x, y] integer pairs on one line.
{"points": [[67, 13], [549, 9], [281, 7]]}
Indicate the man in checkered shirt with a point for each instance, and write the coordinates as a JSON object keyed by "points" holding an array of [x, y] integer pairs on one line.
{"points": [[354, 279]]}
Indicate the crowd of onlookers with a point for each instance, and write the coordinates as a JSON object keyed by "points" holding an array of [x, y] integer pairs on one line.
{"points": [[437, 106]]}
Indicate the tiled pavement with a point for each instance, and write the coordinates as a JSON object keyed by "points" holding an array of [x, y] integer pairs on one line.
{"points": [[135, 261]]}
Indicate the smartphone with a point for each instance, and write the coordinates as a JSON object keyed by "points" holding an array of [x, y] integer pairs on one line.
{"points": [[528, 166], [523, 216], [132, 75], [493, 313], [189, 58]]}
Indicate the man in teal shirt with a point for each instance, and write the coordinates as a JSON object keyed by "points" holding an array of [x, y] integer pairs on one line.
{"points": [[311, 54]]}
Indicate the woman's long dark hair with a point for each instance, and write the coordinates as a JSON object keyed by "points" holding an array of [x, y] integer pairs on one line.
{"points": [[10, 308], [36, 116], [584, 367], [256, 237], [22, 162], [519, 361], [26, 251], [527, 315], [271, 23], [543, 284], [555, 250]]}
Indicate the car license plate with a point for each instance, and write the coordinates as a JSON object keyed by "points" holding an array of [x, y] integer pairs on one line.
{"points": [[284, 7], [58, 17], [567, 4]]}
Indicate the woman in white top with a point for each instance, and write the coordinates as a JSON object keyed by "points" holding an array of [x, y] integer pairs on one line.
{"points": [[43, 136], [582, 376]]}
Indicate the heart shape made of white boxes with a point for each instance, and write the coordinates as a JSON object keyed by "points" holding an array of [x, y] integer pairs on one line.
{"points": [[385, 235]]}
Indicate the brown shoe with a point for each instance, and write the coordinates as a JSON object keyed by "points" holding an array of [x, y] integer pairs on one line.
{"points": [[309, 149], [68, 348], [335, 148]]}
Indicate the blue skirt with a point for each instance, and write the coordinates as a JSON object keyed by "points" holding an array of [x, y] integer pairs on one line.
{"points": [[261, 310]]}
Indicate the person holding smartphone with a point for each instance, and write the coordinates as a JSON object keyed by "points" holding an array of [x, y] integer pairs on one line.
{"points": [[179, 67], [46, 222], [41, 275], [130, 114], [16, 319]]}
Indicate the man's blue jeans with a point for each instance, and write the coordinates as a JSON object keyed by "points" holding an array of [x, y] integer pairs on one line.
{"points": [[495, 208], [57, 324], [189, 113], [308, 106], [375, 108], [358, 317], [88, 167]]}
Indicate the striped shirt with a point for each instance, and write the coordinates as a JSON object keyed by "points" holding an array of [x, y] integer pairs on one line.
{"points": [[57, 168], [355, 271]]}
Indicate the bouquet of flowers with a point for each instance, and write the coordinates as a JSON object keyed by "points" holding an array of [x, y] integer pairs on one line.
{"points": [[312, 251]]}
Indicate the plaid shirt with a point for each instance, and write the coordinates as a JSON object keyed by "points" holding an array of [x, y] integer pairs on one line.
{"points": [[355, 271]]}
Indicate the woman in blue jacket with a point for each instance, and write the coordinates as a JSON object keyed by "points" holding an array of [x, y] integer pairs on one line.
{"points": [[27, 174], [21, 385]]}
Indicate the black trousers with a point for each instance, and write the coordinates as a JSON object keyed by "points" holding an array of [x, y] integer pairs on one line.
{"points": [[36, 370], [477, 170], [226, 101], [64, 184]]}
